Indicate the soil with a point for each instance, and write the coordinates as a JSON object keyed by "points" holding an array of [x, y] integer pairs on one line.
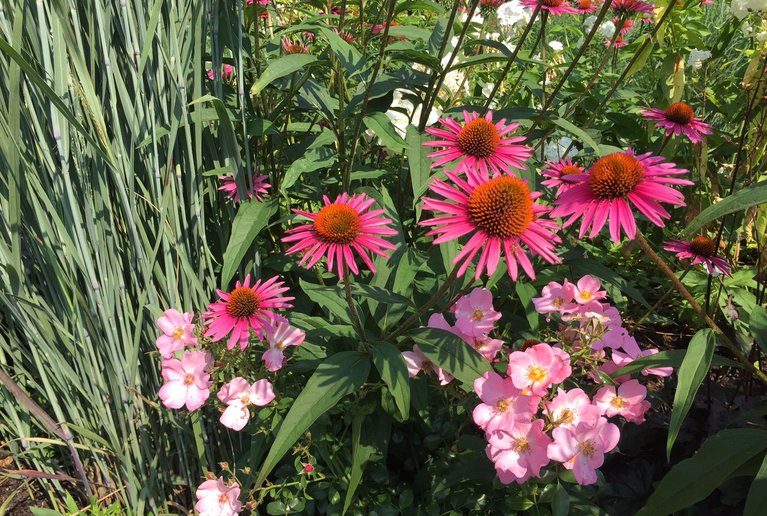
{"points": [[23, 493]]}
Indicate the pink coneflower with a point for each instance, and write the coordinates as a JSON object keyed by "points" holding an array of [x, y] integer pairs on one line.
{"points": [[679, 118], [584, 6], [346, 36], [243, 308], [229, 186], [479, 144], [618, 43], [624, 27], [630, 7], [338, 228], [556, 171], [555, 7], [227, 73], [500, 213], [293, 47], [700, 250], [615, 182]]}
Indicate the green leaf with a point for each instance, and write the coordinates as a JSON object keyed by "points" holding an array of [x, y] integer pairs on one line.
{"points": [[579, 133], [418, 164], [451, 353], [526, 293], [281, 67], [740, 201], [757, 493], [341, 374], [672, 358], [331, 298], [641, 61], [693, 479], [350, 58], [380, 124], [389, 362], [314, 159], [694, 368], [758, 323], [251, 218], [370, 440]]}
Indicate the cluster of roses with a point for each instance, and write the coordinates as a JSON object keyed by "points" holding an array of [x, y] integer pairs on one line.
{"points": [[188, 378], [527, 424]]}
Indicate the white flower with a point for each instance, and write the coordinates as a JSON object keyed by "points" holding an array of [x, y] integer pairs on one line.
{"points": [[487, 89], [589, 22], [477, 18], [401, 120], [556, 45], [696, 58], [741, 8], [511, 14], [607, 29], [555, 150], [761, 36]]}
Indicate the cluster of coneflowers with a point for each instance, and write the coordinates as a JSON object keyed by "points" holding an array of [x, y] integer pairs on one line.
{"points": [[481, 199]]}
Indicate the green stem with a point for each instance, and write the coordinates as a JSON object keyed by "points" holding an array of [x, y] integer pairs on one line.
{"points": [[662, 298], [353, 309], [728, 343]]}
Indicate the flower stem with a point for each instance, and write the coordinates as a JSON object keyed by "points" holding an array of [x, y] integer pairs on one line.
{"points": [[728, 343], [426, 306], [350, 301], [662, 298]]}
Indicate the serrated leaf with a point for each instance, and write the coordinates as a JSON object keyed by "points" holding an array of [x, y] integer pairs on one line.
{"points": [[252, 216], [339, 375], [694, 479], [281, 67], [451, 353], [694, 368], [391, 365]]}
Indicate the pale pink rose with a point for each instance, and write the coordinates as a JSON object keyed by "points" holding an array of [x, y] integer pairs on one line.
{"points": [[486, 346], [230, 390], [279, 335], [178, 331], [502, 403], [474, 313], [556, 298], [628, 401], [416, 362], [519, 452], [187, 381], [587, 290], [215, 498], [538, 367], [239, 397], [438, 321], [570, 408], [582, 449]]}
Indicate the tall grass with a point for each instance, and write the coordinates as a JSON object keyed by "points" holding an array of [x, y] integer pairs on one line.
{"points": [[103, 225]]}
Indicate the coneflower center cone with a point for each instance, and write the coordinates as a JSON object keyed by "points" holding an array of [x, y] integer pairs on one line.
{"points": [[479, 138], [243, 302], [615, 175], [680, 113], [502, 207], [552, 3], [703, 246], [337, 224], [570, 169], [584, 4]]}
